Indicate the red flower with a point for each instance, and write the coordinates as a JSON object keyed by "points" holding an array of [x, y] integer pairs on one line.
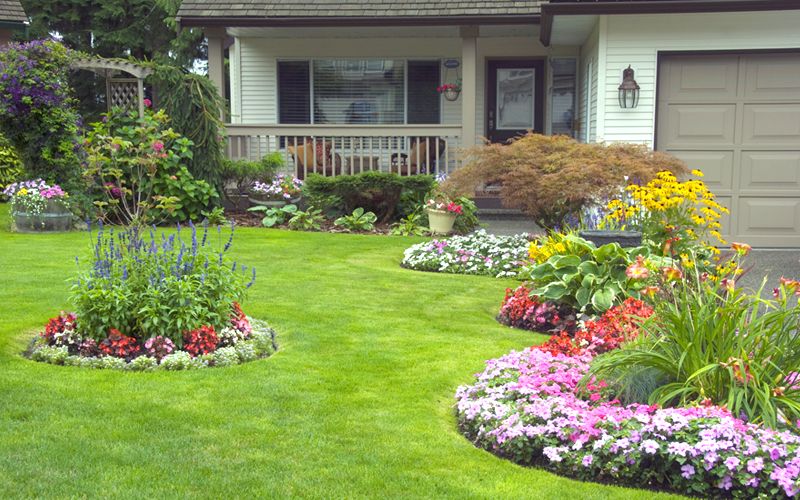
{"points": [[200, 341]]}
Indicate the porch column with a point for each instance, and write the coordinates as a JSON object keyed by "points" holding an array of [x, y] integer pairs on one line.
{"points": [[469, 87], [216, 60]]}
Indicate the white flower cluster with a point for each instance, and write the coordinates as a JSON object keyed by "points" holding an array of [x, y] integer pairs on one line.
{"points": [[477, 253]]}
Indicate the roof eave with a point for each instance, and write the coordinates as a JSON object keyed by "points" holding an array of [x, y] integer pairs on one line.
{"points": [[550, 10], [342, 21]]}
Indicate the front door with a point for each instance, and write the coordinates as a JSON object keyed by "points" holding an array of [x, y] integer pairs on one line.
{"points": [[515, 98]]}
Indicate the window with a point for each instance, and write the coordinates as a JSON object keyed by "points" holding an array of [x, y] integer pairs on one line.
{"points": [[358, 92], [562, 106]]}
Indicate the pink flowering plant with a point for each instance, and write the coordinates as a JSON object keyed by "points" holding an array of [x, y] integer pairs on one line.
{"points": [[282, 188], [477, 253], [531, 407], [32, 197], [443, 203], [127, 158]]}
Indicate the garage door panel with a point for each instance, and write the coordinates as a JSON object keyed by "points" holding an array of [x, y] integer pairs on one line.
{"points": [[764, 216], [702, 78], [772, 77], [717, 167], [701, 124], [770, 171], [771, 124]]}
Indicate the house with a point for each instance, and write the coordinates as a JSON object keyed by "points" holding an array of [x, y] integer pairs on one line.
{"points": [[719, 84], [12, 18]]}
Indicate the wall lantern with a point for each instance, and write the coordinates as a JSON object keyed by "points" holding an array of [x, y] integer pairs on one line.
{"points": [[629, 90]]}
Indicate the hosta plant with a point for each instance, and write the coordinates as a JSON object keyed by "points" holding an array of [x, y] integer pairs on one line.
{"points": [[275, 215], [306, 220], [590, 278], [358, 221]]}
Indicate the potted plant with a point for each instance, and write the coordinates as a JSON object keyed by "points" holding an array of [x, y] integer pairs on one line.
{"points": [[282, 189], [450, 92], [239, 176], [38, 207], [442, 213]]}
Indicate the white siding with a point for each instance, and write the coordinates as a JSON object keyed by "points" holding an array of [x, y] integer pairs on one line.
{"points": [[253, 71], [260, 55], [588, 87], [636, 40]]}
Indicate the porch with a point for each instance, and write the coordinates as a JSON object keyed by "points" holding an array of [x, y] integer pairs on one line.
{"points": [[350, 149]]}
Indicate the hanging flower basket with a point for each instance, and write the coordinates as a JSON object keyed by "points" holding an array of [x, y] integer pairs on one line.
{"points": [[450, 92]]}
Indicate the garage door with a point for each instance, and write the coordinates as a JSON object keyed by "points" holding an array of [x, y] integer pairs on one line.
{"points": [[736, 117]]}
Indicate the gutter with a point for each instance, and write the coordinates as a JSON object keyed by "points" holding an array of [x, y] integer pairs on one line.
{"points": [[550, 10], [350, 21]]}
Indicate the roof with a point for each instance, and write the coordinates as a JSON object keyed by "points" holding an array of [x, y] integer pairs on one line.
{"points": [[266, 12], [12, 11]]}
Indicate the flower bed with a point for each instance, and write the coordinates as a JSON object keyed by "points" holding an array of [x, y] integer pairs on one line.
{"points": [[528, 406], [477, 253], [245, 339]]}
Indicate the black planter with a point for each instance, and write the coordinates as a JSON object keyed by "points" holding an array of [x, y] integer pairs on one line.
{"points": [[600, 237]]}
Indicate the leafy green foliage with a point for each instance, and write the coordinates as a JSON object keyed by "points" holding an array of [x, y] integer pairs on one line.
{"points": [[126, 158], [358, 221], [592, 279], [304, 221], [712, 344], [550, 177], [274, 215], [37, 114], [192, 195], [161, 286], [377, 191], [193, 102], [215, 217], [409, 226], [243, 173], [141, 29], [10, 164]]}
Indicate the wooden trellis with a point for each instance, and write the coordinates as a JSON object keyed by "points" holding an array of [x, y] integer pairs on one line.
{"points": [[125, 93]]}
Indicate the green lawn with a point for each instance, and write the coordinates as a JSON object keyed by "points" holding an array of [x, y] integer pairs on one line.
{"points": [[356, 404]]}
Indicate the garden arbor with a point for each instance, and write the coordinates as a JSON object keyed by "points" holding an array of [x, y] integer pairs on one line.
{"points": [[121, 92]]}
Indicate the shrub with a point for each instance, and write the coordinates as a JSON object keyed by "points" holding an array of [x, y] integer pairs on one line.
{"points": [[674, 217], [375, 191], [138, 165], [193, 103], [549, 177], [476, 253], [37, 114], [191, 195], [156, 285], [716, 344]]}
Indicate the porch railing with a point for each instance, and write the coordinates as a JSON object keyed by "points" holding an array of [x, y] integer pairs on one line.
{"points": [[350, 149]]}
